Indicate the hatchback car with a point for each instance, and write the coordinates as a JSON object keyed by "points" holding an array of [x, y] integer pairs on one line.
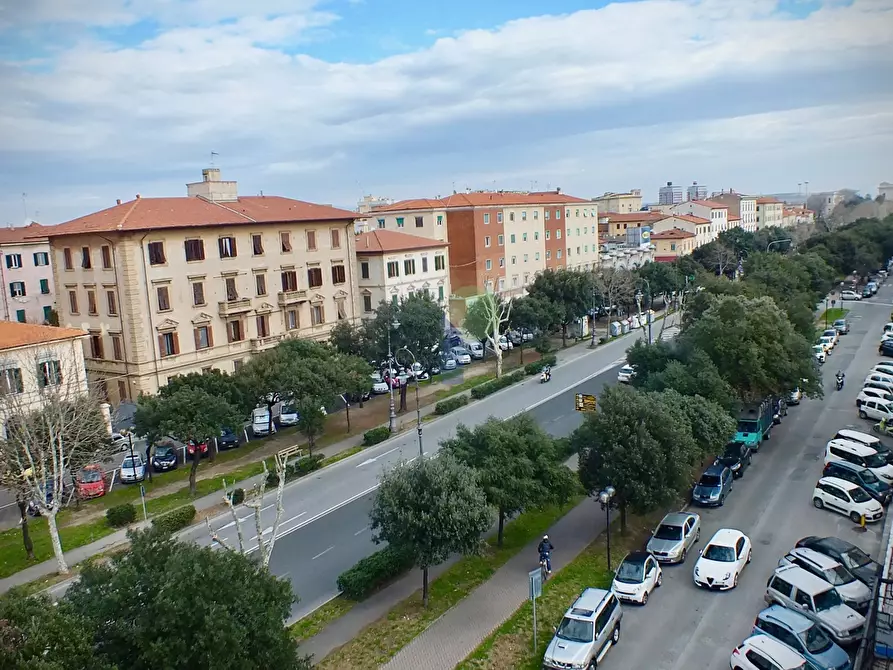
{"points": [[795, 397], [803, 636], [849, 555], [833, 334], [448, 361], [761, 652], [636, 578], [737, 457], [877, 376], [876, 409], [842, 326], [886, 348], [193, 448], [227, 440], [674, 537], [828, 343], [884, 368], [461, 355], [90, 482], [853, 592], [846, 498], [132, 470], [867, 394], [713, 486], [721, 562], [818, 351], [164, 458], [625, 374], [863, 477], [850, 295]]}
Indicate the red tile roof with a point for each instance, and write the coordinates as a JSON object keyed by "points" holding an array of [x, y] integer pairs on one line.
{"points": [[712, 204], [387, 241], [484, 199], [674, 234], [155, 213], [21, 234], [732, 217], [768, 201], [691, 218], [632, 217], [14, 334]]}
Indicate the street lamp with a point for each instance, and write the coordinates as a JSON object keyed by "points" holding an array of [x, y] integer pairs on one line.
{"points": [[418, 406], [605, 498], [392, 416], [769, 246]]}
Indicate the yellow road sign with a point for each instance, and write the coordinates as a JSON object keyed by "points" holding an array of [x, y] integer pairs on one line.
{"points": [[584, 402]]}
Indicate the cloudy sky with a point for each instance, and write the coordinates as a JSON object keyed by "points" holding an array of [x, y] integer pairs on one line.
{"points": [[325, 100]]}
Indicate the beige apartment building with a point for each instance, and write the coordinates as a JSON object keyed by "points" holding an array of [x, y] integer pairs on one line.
{"points": [[698, 226], [744, 207], [168, 286], [620, 203], [770, 212]]}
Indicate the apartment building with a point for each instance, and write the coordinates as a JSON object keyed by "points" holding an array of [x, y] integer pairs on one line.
{"points": [[795, 215], [671, 194], [391, 266], [742, 206], [716, 212], [620, 203], [168, 286], [698, 226], [671, 244], [616, 225], [27, 275], [696, 192], [770, 212]]}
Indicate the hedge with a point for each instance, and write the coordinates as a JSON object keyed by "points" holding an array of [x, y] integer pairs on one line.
{"points": [[450, 404], [121, 515], [175, 520], [373, 572], [490, 388], [297, 469], [537, 366], [376, 435], [237, 496]]}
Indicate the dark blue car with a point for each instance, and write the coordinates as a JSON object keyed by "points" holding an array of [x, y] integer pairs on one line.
{"points": [[713, 486]]}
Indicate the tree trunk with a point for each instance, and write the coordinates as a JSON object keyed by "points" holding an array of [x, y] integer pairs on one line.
{"points": [[57, 543], [623, 517], [347, 413], [498, 351], [563, 335], [310, 444], [521, 349], [26, 534], [196, 457], [425, 587], [501, 527], [361, 400], [149, 462], [212, 449]]}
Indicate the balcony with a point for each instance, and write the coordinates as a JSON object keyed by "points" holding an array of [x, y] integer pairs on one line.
{"points": [[261, 343], [291, 297], [233, 307]]}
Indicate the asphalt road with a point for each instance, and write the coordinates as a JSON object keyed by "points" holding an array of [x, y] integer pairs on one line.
{"points": [[683, 627]]}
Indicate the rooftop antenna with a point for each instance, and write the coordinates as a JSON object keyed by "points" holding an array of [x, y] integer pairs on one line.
{"points": [[213, 153], [25, 204]]}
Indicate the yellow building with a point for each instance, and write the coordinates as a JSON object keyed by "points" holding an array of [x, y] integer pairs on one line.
{"points": [[671, 244], [620, 203]]}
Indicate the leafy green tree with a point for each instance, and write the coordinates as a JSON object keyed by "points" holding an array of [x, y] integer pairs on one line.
{"points": [[430, 508], [355, 376], [572, 293], [663, 279], [169, 604], [518, 465], [531, 314], [311, 419], [266, 377], [348, 338], [712, 426], [214, 382], [421, 329]]}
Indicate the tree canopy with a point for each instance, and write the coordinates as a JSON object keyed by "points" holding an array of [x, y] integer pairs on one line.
{"points": [[570, 291]]}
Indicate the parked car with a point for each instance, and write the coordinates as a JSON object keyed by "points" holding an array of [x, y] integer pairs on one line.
{"points": [[90, 482], [886, 348], [713, 486], [863, 477], [761, 652], [846, 498], [828, 343], [868, 440], [849, 555], [588, 630], [818, 351], [449, 361], [461, 355], [476, 349], [636, 577], [164, 458], [878, 376], [850, 295], [625, 374], [132, 470], [193, 447], [853, 592], [227, 440], [883, 367], [737, 457], [867, 394], [861, 455], [880, 386], [867, 292], [876, 409], [795, 397], [842, 326], [833, 334], [120, 441], [504, 343], [802, 635], [721, 562], [674, 537]]}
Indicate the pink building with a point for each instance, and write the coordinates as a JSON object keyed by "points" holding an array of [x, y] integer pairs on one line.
{"points": [[26, 275]]}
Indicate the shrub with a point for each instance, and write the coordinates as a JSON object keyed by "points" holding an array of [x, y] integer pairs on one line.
{"points": [[120, 515], [237, 496], [373, 572], [536, 367], [450, 404], [299, 468], [542, 345], [175, 520], [489, 388], [376, 435]]}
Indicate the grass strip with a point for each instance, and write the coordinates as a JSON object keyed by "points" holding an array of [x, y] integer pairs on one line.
{"points": [[380, 641], [831, 315], [314, 622]]}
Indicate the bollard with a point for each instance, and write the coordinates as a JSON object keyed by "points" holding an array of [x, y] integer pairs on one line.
{"points": [[862, 523]]}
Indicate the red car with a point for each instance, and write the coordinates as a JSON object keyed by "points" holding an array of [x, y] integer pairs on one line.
{"points": [[191, 447], [90, 482]]}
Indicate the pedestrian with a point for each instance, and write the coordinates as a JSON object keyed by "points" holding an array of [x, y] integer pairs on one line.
{"points": [[149, 461]]}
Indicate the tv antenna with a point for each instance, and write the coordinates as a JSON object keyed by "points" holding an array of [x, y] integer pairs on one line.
{"points": [[213, 153]]}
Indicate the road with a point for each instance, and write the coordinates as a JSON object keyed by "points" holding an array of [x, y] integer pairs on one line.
{"points": [[324, 528], [683, 627]]}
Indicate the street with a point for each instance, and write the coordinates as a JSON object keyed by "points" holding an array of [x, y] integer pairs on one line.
{"points": [[683, 627]]}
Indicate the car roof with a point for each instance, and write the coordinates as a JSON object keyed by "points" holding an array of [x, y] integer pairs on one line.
{"points": [[715, 469], [779, 652], [855, 447], [832, 543], [839, 320], [792, 620], [813, 556], [840, 483], [637, 556], [588, 602], [846, 465], [803, 579], [726, 537], [677, 518]]}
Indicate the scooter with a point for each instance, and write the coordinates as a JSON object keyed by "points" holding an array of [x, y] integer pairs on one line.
{"points": [[545, 376], [886, 431], [839, 383], [544, 568]]}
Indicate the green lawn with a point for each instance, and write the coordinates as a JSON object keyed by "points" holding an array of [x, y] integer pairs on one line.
{"points": [[829, 316]]}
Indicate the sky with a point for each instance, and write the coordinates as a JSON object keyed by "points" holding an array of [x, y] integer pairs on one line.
{"points": [[328, 100]]}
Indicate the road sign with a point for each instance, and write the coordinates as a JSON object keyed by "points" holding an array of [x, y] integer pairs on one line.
{"points": [[535, 580], [584, 402]]}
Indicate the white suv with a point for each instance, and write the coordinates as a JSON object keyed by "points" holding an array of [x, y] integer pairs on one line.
{"points": [[847, 498], [761, 652]]}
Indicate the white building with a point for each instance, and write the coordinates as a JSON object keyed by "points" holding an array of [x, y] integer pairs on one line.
{"points": [[770, 212], [27, 275], [669, 194], [715, 212], [697, 225], [696, 192], [885, 189], [393, 265]]}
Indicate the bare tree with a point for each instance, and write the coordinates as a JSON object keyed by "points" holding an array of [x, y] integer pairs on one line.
{"points": [[485, 319], [53, 425], [615, 285], [721, 257]]}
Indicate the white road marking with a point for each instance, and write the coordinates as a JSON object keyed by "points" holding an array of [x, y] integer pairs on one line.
{"points": [[361, 531], [12, 504], [323, 553], [288, 521], [372, 460]]}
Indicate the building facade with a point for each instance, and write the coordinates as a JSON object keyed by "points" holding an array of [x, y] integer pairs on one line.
{"points": [[392, 266], [698, 226], [715, 212], [617, 225], [770, 212], [29, 295], [742, 206], [696, 192], [168, 286], [671, 194], [671, 244], [885, 190], [620, 203]]}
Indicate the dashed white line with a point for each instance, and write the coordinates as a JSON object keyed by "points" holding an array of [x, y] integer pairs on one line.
{"points": [[361, 531], [323, 553]]}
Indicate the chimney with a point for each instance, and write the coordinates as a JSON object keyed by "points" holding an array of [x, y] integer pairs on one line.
{"points": [[118, 201], [138, 196]]}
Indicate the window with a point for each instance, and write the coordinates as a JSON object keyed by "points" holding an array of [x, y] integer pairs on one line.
{"points": [[759, 661], [424, 263], [117, 349], [514, 260], [381, 223], [73, 301], [339, 306], [393, 269], [263, 325], [557, 213], [237, 364], [235, 331], [195, 250], [198, 293], [498, 217], [105, 252], [500, 240], [440, 219], [514, 280], [289, 281], [399, 221], [13, 261], [96, 346], [364, 269], [409, 266], [440, 293], [314, 277], [536, 256], [525, 258], [168, 344], [488, 264], [536, 215], [91, 302], [578, 251], [502, 262], [578, 232], [163, 295], [338, 274], [317, 315], [536, 235], [227, 247], [311, 240], [487, 241], [47, 313], [66, 258], [17, 289], [439, 263], [86, 260], [558, 234], [524, 216], [548, 234], [419, 222], [511, 216], [548, 254], [20, 315], [502, 283], [231, 292], [260, 284], [257, 244], [122, 389], [11, 381], [486, 218], [512, 238], [558, 254], [367, 302], [672, 246], [291, 319], [285, 241], [336, 238], [41, 258], [49, 373], [156, 253]]}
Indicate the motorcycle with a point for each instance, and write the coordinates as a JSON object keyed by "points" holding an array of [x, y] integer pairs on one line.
{"points": [[32, 509], [544, 567], [839, 383], [883, 431], [545, 376]]}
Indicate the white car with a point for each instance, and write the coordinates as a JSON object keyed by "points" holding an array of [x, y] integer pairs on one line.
{"points": [[723, 559], [132, 469], [846, 498], [880, 377], [819, 352], [505, 344], [888, 327], [883, 368], [850, 295], [637, 577], [832, 333], [625, 374], [886, 336], [867, 394], [795, 396], [828, 342], [759, 652], [380, 387], [876, 409], [461, 355]]}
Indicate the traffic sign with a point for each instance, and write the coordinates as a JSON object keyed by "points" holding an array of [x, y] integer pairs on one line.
{"points": [[535, 582], [585, 402]]}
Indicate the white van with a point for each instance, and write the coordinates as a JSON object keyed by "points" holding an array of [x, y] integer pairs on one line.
{"points": [[868, 440], [859, 454], [285, 414], [475, 348], [260, 421]]}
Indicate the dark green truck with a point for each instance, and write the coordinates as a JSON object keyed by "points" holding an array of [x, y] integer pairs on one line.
{"points": [[755, 424]]}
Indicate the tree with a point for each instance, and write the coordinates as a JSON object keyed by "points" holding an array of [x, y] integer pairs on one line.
{"points": [[662, 278], [717, 257], [571, 292], [265, 377], [169, 604], [420, 329], [430, 509], [54, 426], [532, 314], [485, 320], [616, 286], [311, 419], [712, 426], [356, 374], [518, 465], [348, 338]]}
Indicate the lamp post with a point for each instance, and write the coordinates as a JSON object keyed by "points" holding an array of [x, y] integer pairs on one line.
{"points": [[418, 406], [392, 416], [605, 498], [769, 246]]}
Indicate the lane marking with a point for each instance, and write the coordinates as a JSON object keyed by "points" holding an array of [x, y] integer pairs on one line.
{"points": [[372, 460], [323, 553], [361, 531]]}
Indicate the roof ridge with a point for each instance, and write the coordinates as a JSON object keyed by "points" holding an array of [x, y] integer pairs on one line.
{"points": [[230, 209], [129, 212]]}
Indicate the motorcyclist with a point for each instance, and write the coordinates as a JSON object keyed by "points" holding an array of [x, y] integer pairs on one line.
{"points": [[547, 373], [839, 377], [545, 549]]}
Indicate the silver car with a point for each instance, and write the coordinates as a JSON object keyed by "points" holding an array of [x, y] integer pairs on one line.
{"points": [[589, 629], [132, 469], [675, 536]]}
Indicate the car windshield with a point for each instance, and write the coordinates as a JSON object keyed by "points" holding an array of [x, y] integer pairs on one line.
{"points": [[668, 532], [732, 451], [715, 552], [90, 476], [815, 640], [830, 333], [869, 477], [626, 369], [854, 558], [131, 462], [164, 451], [630, 572], [709, 480], [826, 600], [837, 576], [818, 348], [747, 426], [875, 461], [840, 322], [575, 630]]}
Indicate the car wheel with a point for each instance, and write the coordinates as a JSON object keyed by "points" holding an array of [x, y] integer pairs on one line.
{"points": [[593, 665], [660, 580], [698, 535], [615, 635], [735, 581], [862, 414], [749, 555], [644, 598], [684, 554], [856, 517], [722, 501], [817, 503]]}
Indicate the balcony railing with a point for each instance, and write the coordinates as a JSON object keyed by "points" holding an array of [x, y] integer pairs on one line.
{"points": [[291, 297], [261, 343], [231, 307]]}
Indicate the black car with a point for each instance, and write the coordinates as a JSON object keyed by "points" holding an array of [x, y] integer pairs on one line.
{"points": [[864, 477], [227, 440], [886, 348], [164, 458], [737, 457], [848, 555]]}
